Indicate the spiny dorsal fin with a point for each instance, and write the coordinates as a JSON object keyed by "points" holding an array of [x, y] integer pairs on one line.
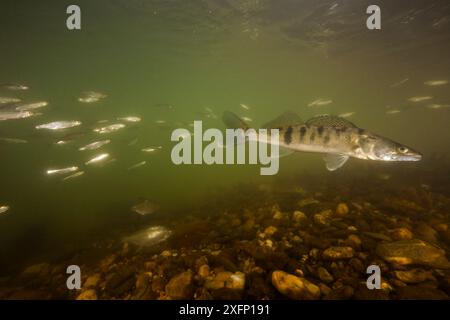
{"points": [[330, 121], [287, 118], [335, 161]]}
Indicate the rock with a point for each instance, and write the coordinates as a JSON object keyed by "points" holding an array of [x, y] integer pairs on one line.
{"points": [[401, 234], [353, 241], [324, 275], [180, 286], [323, 218], [336, 253], [270, 230], [357, 265], [341, 293], [106, 263], [236, 281], [203, 271], [425, 232], [299, 216], [420, 292], [37, 270], [278, 215], [226, 279], [89, 294], [324, 289], [414, 275], [377, 236], [92, 281], [342, 209], [405, 252], [294, 287]]}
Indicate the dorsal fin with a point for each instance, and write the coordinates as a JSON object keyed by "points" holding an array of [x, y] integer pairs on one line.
{"points": [[287, 118], [330, 121]]}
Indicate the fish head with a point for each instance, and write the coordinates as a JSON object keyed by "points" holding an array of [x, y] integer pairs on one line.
{"points": [[383, 149]]}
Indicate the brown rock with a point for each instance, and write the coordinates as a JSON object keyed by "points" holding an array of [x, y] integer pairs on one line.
{"points": [[342, 209], [337, 253], [401, 234], [89, 294], [180, 286], [294, 287]]}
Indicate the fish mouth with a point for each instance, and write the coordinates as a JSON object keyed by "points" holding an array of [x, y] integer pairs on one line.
{"points": [[410, 157]]}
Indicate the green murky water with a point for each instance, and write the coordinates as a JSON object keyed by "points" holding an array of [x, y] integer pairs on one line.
{"points": [[270, 55]]}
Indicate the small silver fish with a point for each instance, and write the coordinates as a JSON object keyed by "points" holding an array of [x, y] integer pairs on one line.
{"points": [[3, 209], [76, 174], [434, 83], [247, 119], [110, 128], [346, 115], [137, 165], [319, 102], [130, 119], [32, 106], [13, 140], [438, 106], [151, 149], [149, 236], [420, 98], [14, 115], [244, 106], [94, 145], [160, 121], [393, 111], [59, 125], [62, 171], [145, 207], [397, 84], [99, 158], [15, 87], [91, 96], [4, 100]]}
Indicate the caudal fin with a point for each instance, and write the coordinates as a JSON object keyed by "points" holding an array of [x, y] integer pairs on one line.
{"points": [[232, 121]]}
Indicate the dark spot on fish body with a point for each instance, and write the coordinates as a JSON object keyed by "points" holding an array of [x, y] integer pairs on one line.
{"points": [[320, 130], [288, 135], [302, 132]]}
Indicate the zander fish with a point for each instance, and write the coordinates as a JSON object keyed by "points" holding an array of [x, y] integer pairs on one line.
{"points": [[337, 138]]}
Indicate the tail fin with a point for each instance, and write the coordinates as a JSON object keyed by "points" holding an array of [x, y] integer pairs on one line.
{"points": [[232, 121]]}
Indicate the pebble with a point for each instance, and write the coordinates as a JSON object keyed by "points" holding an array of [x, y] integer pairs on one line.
{"points": [[294, 287], [299, 216], [324, 275], [414, 275], [401, 234], [336, 253], [180, 286], [203, 271], [342, 209], [92, 281], [323, 218], [89, 294], [271, 230]]}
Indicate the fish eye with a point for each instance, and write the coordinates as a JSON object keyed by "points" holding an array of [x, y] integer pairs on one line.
{"points": [[402, 149]]}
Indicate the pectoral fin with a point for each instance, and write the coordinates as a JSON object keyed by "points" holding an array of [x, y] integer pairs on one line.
{"points": [[335, 161]]}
